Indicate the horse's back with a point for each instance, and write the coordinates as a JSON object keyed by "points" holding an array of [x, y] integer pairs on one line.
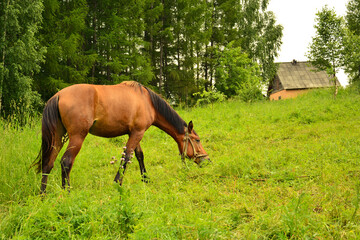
{"points": [[105, 110]]}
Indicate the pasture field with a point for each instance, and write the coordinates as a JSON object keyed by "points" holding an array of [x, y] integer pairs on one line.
{"points": [[280, 170]]}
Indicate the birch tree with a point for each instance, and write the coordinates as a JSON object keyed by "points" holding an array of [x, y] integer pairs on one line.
{"points": [[326, 48]]}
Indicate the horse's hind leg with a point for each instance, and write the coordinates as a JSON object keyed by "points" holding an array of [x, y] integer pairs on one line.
{"points": [[67, 160], [140, 157], [47, 169], [55, 149]]}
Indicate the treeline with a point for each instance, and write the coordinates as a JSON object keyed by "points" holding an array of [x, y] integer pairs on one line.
{"points": [[177, 47]]}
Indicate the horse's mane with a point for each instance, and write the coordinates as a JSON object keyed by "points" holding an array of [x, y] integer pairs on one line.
{"points": [[162, 107], [166, 111]]}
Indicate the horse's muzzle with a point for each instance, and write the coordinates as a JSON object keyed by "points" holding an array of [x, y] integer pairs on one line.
{"points": [[204, 161]]}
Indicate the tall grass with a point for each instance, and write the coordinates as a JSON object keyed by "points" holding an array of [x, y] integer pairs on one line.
{"points": [[281, 170]]}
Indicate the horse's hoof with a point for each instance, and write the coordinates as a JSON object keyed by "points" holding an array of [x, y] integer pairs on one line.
{"points": [[145, 179]]}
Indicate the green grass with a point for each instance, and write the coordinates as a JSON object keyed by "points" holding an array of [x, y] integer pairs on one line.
{"points": [[281, 170]]}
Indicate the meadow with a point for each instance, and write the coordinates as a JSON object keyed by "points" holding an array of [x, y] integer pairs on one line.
{"points": [[280, 170]]}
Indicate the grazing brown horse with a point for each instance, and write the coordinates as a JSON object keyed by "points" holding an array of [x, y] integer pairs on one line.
{"points": [[109, 111]]}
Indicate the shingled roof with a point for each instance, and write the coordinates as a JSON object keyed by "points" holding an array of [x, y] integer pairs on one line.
{"points": [[301, 75], [298, 75]]}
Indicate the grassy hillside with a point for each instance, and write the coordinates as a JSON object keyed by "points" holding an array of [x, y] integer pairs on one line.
{"points": [[281, 170]]}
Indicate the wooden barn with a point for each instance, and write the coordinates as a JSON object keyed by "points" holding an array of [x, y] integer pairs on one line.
{"points": [[294, 78]]}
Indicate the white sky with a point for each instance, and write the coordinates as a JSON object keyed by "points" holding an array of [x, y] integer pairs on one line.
{"points": [[297, 17]]}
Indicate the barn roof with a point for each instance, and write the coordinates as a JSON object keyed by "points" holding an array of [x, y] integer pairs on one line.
{"points": [[301, 75]]}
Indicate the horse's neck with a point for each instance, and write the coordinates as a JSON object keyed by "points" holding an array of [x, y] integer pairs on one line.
{"points": [[171, 130]]}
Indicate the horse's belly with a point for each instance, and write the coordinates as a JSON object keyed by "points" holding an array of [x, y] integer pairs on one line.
{"points": [[105, 130]]}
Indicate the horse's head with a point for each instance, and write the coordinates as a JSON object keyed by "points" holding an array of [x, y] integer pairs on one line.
{"points": [[192, 147]]}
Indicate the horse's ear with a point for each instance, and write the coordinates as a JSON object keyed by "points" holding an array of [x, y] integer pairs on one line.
{"points": [[190, 126]]}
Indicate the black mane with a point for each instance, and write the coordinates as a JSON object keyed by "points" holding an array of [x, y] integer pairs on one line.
{"points": [[166, 111]]}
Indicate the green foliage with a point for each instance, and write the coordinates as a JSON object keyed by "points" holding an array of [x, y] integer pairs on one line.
{"points": [[120, 42], [280, 170], [20, 53], [24, 112], [236, 71], [351, 53], [62, 34], [351, 56], [250, 90], [187, 34], [169, 45], [209, 97], [326, 48], [270, 45], [260, 37], [352, 16]]}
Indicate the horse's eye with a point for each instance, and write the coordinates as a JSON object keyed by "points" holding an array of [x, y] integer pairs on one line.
{"points": [[197, 140]]}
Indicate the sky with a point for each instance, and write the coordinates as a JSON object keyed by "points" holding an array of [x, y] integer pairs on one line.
{"points": [[298, 19]]}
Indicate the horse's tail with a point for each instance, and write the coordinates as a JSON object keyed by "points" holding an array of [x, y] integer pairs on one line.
{"points": [[50, 121]]}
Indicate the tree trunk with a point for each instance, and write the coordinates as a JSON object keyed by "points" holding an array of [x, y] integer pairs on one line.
{"points": [[3, 54], [107, 63], [197, 68], [178, 51], [206, 67], [161, 80], [335, 85], [211, 63], [161, 83], [94, 43], [334, 79]]}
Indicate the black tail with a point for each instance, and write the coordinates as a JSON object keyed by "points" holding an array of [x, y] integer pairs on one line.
{"points": [[50, 119]]}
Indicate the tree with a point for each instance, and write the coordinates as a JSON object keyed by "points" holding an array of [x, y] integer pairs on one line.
{"points": [[157, 35], [255, 30], [116, 36], [183, 70], [88, 41], [353, 16], [351, 61], [250, 26], [351, 56], [67, 62], [268, 45], [236, 71], [326, 48], [21, 54]]}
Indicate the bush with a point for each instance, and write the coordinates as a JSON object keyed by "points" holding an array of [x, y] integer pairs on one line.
{"points": [[23, 112], [236, 71], [209, 97], [250, 91]]}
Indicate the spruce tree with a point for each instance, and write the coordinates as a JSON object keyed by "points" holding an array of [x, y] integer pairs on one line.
{"points": [[20, 55]]}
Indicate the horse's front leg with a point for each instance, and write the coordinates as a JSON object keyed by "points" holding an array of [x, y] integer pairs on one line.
{"points": [[125, 160], [134, 139], [140, 157]]}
